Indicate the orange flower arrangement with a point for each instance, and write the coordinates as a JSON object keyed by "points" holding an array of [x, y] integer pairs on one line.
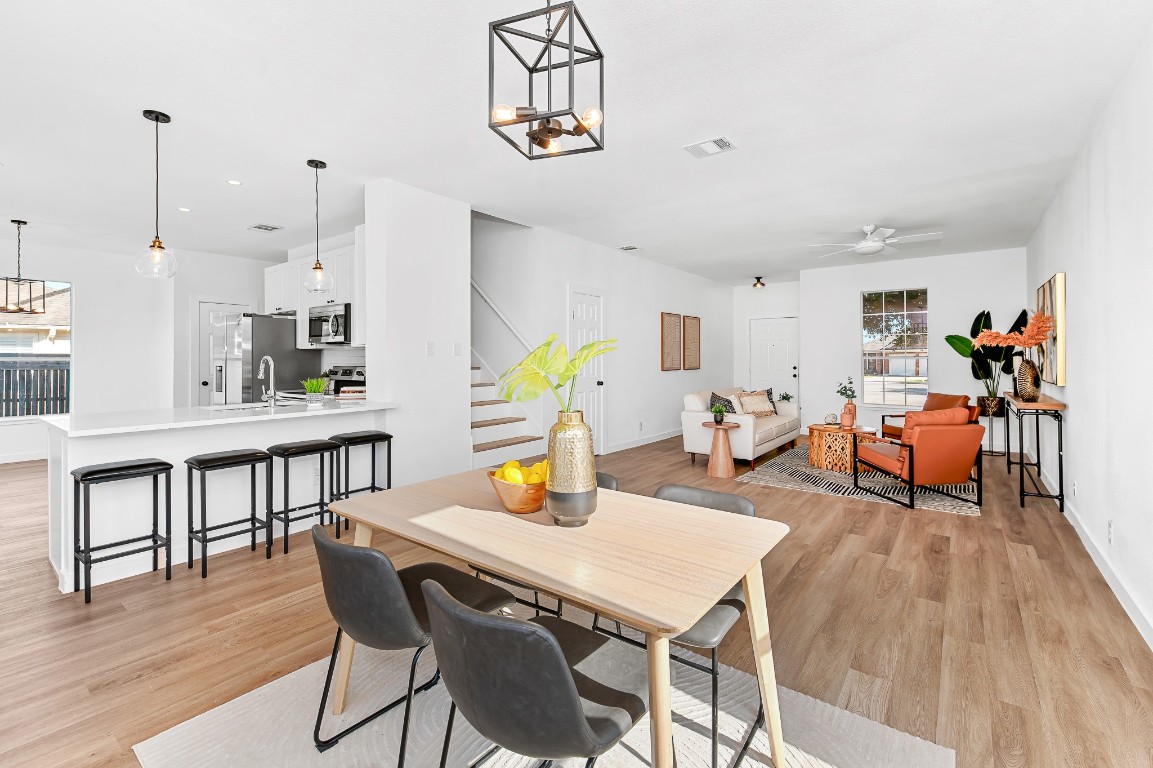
{"points": [[1035, 333]]}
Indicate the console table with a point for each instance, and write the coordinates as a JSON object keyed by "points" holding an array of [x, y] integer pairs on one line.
{"points": [[1045, 407]]}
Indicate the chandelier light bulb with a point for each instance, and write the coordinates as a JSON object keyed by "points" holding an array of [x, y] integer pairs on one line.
{"points": [[502, 113], [592, 118], [553, 146]]}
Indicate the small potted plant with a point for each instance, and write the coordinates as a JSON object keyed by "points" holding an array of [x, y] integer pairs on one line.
{"points": [[314, 391], [785, 397], [718, 413], [849, 412]]}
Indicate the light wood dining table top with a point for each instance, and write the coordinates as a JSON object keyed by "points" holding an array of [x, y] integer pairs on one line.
{"points": [[655, 565]]}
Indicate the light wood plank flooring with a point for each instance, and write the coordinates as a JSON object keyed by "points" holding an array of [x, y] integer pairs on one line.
{"points": [[996, 635]]}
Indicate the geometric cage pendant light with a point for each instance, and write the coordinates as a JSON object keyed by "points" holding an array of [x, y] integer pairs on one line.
{"points": [[20, 292], [546, 79], [318, 280], [157, 261]]}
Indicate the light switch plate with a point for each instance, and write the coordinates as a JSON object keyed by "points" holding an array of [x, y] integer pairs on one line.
{"points": [[430, 348], [457, 349]]}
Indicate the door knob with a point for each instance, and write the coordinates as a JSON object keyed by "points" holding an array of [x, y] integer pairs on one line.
{"points": [[600, 383], [794, 367], [794, 375], [204, 383]]}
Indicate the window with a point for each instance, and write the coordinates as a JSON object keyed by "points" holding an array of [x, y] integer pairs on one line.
{"points": [[895, 347], [36, 357]]}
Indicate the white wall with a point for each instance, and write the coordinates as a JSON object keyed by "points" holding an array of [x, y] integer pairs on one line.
{"points": [[131, 340], [960, 286], [527, 272], [1096, 230], [207, 277], [774, 300], [417, 269]]}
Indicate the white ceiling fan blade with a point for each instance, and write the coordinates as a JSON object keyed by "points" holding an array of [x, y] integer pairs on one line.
{"points": [[830, 245], [834, 253], [881, 233], [891, 249], [910, 237]]}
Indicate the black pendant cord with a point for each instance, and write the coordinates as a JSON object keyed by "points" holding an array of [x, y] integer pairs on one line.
{"points": [[548, 42], [317, 195], [157, 196], [19, 246]]}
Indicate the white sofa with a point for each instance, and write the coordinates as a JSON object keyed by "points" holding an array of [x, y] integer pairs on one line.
{"points": [[757, 435]]}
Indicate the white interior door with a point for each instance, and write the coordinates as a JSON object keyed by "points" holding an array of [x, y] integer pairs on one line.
{"points": [[211, 352], [586, 323], [773, 359]]}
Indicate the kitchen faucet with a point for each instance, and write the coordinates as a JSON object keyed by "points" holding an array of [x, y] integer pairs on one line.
{"points": [[269, 395]]}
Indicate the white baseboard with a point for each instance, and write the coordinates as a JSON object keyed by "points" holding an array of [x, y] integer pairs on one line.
{"points": [[642, 441], [1115, 582], [13, 458]]}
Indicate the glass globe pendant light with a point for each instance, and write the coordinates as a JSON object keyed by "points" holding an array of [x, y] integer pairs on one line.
{"points": [[157, 261], [318, 280]]}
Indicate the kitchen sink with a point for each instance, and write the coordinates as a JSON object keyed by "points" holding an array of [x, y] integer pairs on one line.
{"points": [[245, 406]]}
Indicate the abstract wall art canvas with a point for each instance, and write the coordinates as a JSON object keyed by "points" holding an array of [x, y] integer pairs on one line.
{"points": [[1051, 354]]}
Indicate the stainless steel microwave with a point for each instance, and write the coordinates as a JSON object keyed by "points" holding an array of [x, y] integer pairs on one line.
{"points": [[330, 324]]}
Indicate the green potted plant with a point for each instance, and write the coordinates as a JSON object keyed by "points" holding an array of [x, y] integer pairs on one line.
{"points": [[314, 391], [849, 412], [571, 488], [986, 361], [785, 397], [718, 414]]}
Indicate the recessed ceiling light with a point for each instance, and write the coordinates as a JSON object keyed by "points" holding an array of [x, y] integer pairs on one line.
{"points": [[184, 210], [703, 149], [234, 182], [627, 248]]}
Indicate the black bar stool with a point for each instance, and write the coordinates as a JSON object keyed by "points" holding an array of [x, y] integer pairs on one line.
{"points": [[349, 440], [298, 450], [210, 462], [93, 474]]}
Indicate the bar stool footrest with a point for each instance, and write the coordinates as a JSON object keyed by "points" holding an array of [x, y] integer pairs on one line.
{"points": [[160, 542]]}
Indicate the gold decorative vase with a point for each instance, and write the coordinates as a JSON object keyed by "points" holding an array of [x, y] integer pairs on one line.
{"points": [[1028, 381], [571, 490]]}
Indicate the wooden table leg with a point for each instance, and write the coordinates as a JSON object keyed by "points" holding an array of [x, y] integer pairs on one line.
{"points": [[763, 653], [362, 538], [660, 702], [721, 456]]}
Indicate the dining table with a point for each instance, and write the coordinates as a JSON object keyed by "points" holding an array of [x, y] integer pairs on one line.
{"points": [[657, 566]]}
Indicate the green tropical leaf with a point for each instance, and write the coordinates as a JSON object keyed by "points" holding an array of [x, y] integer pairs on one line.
{"points": [[1021, 321], [963, 346], [582, 357], [982, 322], [981, 368], [529, 378]]}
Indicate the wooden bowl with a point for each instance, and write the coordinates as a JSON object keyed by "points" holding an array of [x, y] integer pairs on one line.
{"points": [[516, 498]]}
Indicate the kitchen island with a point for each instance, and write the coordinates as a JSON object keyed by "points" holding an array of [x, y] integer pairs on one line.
{"points": [[124, 509]]}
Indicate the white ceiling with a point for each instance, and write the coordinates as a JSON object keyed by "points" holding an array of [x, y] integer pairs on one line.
{"points": [[911, 114]]}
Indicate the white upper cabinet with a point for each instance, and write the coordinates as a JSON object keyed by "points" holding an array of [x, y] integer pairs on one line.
{"points": [[284, 289], [281, 287]]}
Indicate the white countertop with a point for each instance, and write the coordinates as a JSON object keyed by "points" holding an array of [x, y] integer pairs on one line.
{"points": [[88, 425]]}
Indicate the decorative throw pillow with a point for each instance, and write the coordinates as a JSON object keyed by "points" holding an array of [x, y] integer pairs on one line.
{"points": [[757, 403], [723, 402]]}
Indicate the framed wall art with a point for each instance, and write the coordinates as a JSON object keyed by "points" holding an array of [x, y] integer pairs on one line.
{"points": [[1051, 354], [670, 341], [691, 338]]}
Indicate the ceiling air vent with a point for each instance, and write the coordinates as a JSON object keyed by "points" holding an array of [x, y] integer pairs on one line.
{"points": [[627, 248], [711, 147], [265, 227]]}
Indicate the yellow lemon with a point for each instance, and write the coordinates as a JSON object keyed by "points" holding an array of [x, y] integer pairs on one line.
{"points": [[499, 474], [511, 464], [513, 475], [535, 477]]}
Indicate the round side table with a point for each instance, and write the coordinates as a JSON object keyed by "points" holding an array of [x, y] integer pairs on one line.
{"points": [[721, 456]]}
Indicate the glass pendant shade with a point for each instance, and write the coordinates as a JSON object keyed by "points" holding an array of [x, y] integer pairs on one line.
{"points": [[157, 261], [319, 279]]}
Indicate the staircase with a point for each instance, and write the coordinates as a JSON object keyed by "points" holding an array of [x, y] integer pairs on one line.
{"points": [[500, 430]]}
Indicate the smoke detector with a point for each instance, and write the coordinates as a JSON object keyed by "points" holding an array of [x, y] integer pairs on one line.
{"points": [[627, 248], [265, 227], [703, 149]]}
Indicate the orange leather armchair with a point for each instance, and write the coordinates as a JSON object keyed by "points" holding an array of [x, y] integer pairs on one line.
{"points": [[936, 448], [934, 401]]}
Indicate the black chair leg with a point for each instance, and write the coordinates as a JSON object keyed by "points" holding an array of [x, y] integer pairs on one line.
{"points": [[168, 526], [408, 706], [75, 535], [447, 734], [268, 509], [203, 525], [87, 544], [480, 760], [760, 721], [286, 505], [716, 679], [252, 506], [155, 520]]}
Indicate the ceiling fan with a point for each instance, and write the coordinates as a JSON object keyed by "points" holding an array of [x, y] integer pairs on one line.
{"points": [[877, 240]]}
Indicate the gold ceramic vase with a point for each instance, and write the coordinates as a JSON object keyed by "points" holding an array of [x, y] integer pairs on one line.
{"points": [[571, 490]]}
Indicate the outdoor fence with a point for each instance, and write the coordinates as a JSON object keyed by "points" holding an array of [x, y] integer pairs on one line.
{"points": [[31, 387]]}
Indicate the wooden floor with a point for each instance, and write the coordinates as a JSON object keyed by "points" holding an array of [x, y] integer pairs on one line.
{"points": [[994, 635]]}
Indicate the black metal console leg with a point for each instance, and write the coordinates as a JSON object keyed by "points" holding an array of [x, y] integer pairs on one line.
{"points": [[1021, 448]]}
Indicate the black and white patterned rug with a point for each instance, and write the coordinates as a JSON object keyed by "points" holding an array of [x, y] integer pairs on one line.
{"points": [[791, 470]]}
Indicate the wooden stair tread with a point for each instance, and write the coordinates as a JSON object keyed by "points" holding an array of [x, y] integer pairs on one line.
{"points": [[478, 403], [484, 384], [494, 444], [497, 422]]}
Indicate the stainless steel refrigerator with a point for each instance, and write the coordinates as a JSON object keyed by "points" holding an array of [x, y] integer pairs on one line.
{"points": [[237, 341]]}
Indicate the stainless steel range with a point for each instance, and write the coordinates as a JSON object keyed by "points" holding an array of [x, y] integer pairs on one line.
{"points": [[346, 376]]}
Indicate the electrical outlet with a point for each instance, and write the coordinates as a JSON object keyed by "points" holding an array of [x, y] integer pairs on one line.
{"points": [[1110, 533], [640, 427], [430, 348], [1074, 487]]}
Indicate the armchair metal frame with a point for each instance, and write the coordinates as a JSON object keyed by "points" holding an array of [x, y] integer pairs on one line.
{"points": [[912, 481]]}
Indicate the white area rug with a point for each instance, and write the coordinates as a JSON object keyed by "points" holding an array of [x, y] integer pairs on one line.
{"points": [[272, 726]]}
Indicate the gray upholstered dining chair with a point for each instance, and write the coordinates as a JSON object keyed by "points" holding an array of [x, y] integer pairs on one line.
{"points": [[383, 608], [544, 688], [607, 481], [711, 629]]}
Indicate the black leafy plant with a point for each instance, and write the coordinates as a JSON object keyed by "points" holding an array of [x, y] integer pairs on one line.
{"points": [[988, 363]]}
